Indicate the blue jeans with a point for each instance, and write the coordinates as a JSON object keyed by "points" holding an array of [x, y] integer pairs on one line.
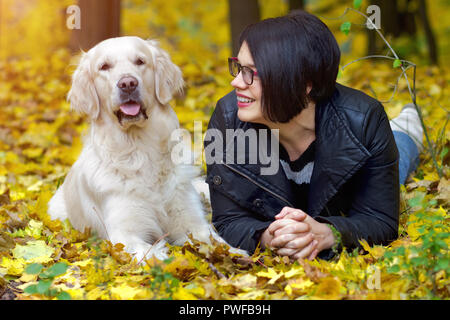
{"points": [[409, 155]]}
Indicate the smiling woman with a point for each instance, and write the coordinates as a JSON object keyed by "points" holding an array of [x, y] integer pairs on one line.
{"points": [[339, 159]]}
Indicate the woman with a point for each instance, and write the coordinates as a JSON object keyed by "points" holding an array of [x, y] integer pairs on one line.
{"points": [[339, 176]]}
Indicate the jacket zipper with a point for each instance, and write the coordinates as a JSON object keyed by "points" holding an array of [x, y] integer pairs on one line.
{"points": [[258, 184]]}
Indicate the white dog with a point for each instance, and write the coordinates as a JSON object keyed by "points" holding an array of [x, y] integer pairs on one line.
{"points": [[124, 184]]}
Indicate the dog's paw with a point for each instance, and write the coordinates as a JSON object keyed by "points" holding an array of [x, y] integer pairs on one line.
{"points": [[158, 251], [57, 207]]}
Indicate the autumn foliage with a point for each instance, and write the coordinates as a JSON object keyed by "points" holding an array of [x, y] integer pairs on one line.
{"points": [[40, 138]]}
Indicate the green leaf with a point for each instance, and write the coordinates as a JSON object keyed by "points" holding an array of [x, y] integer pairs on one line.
{"points": [[56, 269], [414, 250], [401, 251], [52, 292], [442, 264], [63, 296], [422, 229], [345, 27], [43, 286], [357, 4], [34, 268], [417, 200], [443, 153], [168, 260], [419, 261], [397, 63], [394, 269], [31, 289], [442, 244]]}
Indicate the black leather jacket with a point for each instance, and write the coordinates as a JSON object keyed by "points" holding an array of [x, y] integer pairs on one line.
{"points": [[354, 185]]}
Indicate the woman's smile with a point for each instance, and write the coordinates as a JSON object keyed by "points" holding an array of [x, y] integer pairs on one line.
{"points": [[244, 101]]}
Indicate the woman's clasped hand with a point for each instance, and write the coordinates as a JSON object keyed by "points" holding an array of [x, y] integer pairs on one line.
{"points": [[297, 235]]}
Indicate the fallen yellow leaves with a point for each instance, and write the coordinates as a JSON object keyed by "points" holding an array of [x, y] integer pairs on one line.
{"points": [[40, 139], [34, 252]]}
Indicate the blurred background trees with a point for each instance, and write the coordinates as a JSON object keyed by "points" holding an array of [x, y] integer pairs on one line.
{"points": [[241, 13], [201, 34], [405, 22], [404, 18], [100, 19]]}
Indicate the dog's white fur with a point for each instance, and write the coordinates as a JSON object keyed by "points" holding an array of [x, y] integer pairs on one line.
{"points": [[124, 184]]}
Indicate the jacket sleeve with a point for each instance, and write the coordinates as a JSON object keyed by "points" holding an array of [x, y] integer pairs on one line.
{"points": [[237, 225], [374, 209]]}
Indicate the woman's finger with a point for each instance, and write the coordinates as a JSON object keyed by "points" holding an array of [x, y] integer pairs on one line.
{"points": [[278, 224], [282, 240], [287, 252], [307, 251], [297, 215], [314, 254], [300, 242], [296, 227], [284, 212]]}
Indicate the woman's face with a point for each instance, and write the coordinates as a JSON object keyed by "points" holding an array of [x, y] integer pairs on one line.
{"points": [[248, 96]]}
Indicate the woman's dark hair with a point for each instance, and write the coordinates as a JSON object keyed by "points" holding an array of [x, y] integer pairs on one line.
{"points": [[290, 53]]}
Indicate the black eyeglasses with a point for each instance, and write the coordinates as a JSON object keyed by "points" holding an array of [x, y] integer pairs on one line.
{"points": [[235, 67]]}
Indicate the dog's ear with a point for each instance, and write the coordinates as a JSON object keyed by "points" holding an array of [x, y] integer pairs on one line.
{"points": [[83, 95], [168, 77]]}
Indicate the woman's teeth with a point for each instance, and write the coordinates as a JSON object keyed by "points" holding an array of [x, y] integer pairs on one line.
{"points": [[244, 100]]}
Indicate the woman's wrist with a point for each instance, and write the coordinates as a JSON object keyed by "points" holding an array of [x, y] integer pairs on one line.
{"points": [[265, 239], [326, 236]]}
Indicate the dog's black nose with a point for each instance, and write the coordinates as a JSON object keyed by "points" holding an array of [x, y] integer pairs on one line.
{"points": [[128, 84]]}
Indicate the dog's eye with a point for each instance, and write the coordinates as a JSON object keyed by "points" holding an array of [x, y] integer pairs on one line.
{"points": [[139, 62], [105, 66]]}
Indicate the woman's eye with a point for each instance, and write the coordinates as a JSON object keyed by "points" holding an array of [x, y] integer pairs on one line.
{"points": [[139, 62], [105, 67]]}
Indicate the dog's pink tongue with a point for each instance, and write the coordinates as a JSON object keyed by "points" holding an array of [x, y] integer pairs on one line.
{"points": [[130, 109]]}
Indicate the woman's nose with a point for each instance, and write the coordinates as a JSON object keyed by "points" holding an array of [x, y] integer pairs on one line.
{"points": [[238, 82]]}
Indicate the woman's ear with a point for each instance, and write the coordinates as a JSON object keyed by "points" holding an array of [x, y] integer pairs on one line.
{"points": [[83, 95], [168, 78], [308, 88]]}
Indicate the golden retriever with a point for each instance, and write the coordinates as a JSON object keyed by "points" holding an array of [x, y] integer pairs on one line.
{"points": [[124, 184]]}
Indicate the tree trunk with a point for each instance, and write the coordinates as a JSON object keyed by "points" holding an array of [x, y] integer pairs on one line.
{"points": [[296, 5], [100, 20], [431, 40], [395, 20], [241, 14]]}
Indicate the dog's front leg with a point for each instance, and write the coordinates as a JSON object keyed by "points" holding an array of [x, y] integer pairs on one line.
{"points": [[140, 234], [219, 239], [201, 230], [140, 249]]}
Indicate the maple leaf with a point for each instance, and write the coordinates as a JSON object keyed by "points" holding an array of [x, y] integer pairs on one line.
{"points": [[34, 251], [328, 288]]}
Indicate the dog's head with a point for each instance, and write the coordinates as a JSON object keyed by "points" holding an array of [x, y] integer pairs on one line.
{"points": [[122, 79]]}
